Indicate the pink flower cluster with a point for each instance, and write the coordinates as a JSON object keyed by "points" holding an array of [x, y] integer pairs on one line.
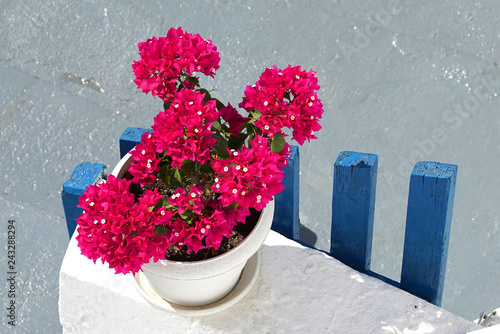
{"points": [[215, 164], [196, 231], [183, 131], [166, 59], [250, 177], [145, 161], [116, 229], [286, 98], [233, 119]]}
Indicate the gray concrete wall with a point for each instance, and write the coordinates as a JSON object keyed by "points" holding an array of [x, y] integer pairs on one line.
{"points": [[407, 80]]}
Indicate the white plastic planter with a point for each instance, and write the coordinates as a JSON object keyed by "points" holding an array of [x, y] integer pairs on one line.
{"points": [[203, 282]]}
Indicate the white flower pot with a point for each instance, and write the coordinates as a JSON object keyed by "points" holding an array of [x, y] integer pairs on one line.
{"points": [[203, 282]]}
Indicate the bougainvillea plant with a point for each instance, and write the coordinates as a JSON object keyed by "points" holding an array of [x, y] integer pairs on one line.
{"points": [[204, 165]]}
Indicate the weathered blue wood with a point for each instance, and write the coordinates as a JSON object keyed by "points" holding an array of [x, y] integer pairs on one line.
{"points": [[129, 138], [353, 207], [286, 210], [427, 235], [83, 176]]}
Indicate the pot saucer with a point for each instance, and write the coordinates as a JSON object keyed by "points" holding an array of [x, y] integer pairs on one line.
{"points": [[245, 283]]}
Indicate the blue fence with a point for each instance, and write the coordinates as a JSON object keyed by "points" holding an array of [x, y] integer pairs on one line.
{"points": [[430, 207]]}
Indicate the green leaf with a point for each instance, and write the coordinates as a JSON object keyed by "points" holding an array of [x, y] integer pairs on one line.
{"points": [[216, 126], [225, 130], [187, 215], [164, 171], [166, 105], [219, 104], [177, 177], [194, 81], [160, 230], [236, 142], [207, 168], [278, 143], [251, 130], [220, 147], [163, 202], [255, 115], [207, 95], [190, 166]]}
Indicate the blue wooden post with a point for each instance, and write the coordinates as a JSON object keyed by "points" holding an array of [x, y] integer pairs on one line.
{"points": [[428, 222], [83, 176], [353, 207], [129, 138], [286, 210]]}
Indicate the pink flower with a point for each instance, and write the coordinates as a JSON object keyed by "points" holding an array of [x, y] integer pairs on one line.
{"points": [[145, 161], [117, 230], [286, 98], [233, 119], [250, 177], [183, 130], [216, 227], [164, 60], [188, 201], [182, 235]]}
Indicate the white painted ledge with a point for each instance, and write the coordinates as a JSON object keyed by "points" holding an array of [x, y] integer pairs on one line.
{"points": [[298, 290]]}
